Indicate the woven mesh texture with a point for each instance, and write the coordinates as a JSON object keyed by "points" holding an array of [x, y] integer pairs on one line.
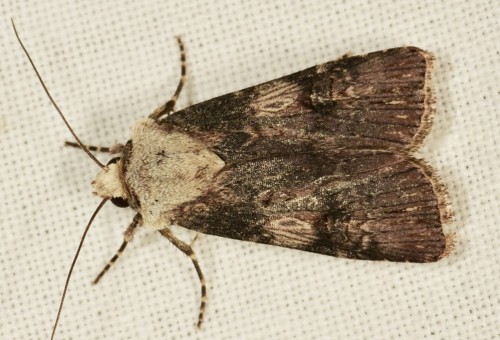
{"points": [[110, 63]]}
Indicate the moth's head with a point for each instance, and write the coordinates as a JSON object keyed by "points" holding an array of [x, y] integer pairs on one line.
{"points": [[108, 183]]}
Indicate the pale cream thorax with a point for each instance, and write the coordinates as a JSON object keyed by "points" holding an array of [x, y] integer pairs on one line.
{"points": [[164, 170]]}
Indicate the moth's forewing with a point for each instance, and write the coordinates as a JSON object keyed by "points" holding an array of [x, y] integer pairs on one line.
{"points": [[319, 161]]}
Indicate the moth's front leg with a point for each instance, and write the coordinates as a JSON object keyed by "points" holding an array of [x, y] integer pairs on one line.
{"points": [[169, 106], [117, 148], [186, 249], [128, 236]]}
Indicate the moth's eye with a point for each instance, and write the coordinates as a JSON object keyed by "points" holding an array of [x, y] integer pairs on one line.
{"points": [[113, 160], [119, 202]]}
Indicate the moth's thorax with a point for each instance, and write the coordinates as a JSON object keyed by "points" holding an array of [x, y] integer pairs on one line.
{"points": [[165, 169], [107, 183]]}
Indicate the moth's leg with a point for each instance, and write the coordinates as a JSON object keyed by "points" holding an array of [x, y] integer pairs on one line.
{"points": [[129, 234], [117, 148], [186, 249], [169, 106], [194, 240]]}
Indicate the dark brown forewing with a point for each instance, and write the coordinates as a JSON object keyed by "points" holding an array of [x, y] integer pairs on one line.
{"points": [[377, 101], [318, 161], [354, 204]]}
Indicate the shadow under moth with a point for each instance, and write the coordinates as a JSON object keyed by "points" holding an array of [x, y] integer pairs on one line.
{"points": [[319, 160]]}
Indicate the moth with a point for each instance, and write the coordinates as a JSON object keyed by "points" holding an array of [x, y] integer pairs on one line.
{"points": [[319, 160]]}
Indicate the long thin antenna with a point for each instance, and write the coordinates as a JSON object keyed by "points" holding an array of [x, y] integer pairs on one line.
{"points": [[73, 265], [53, 101]]}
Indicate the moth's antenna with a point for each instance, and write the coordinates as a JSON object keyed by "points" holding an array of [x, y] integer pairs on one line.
{"points": [[73, 265], [82, 146]]}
